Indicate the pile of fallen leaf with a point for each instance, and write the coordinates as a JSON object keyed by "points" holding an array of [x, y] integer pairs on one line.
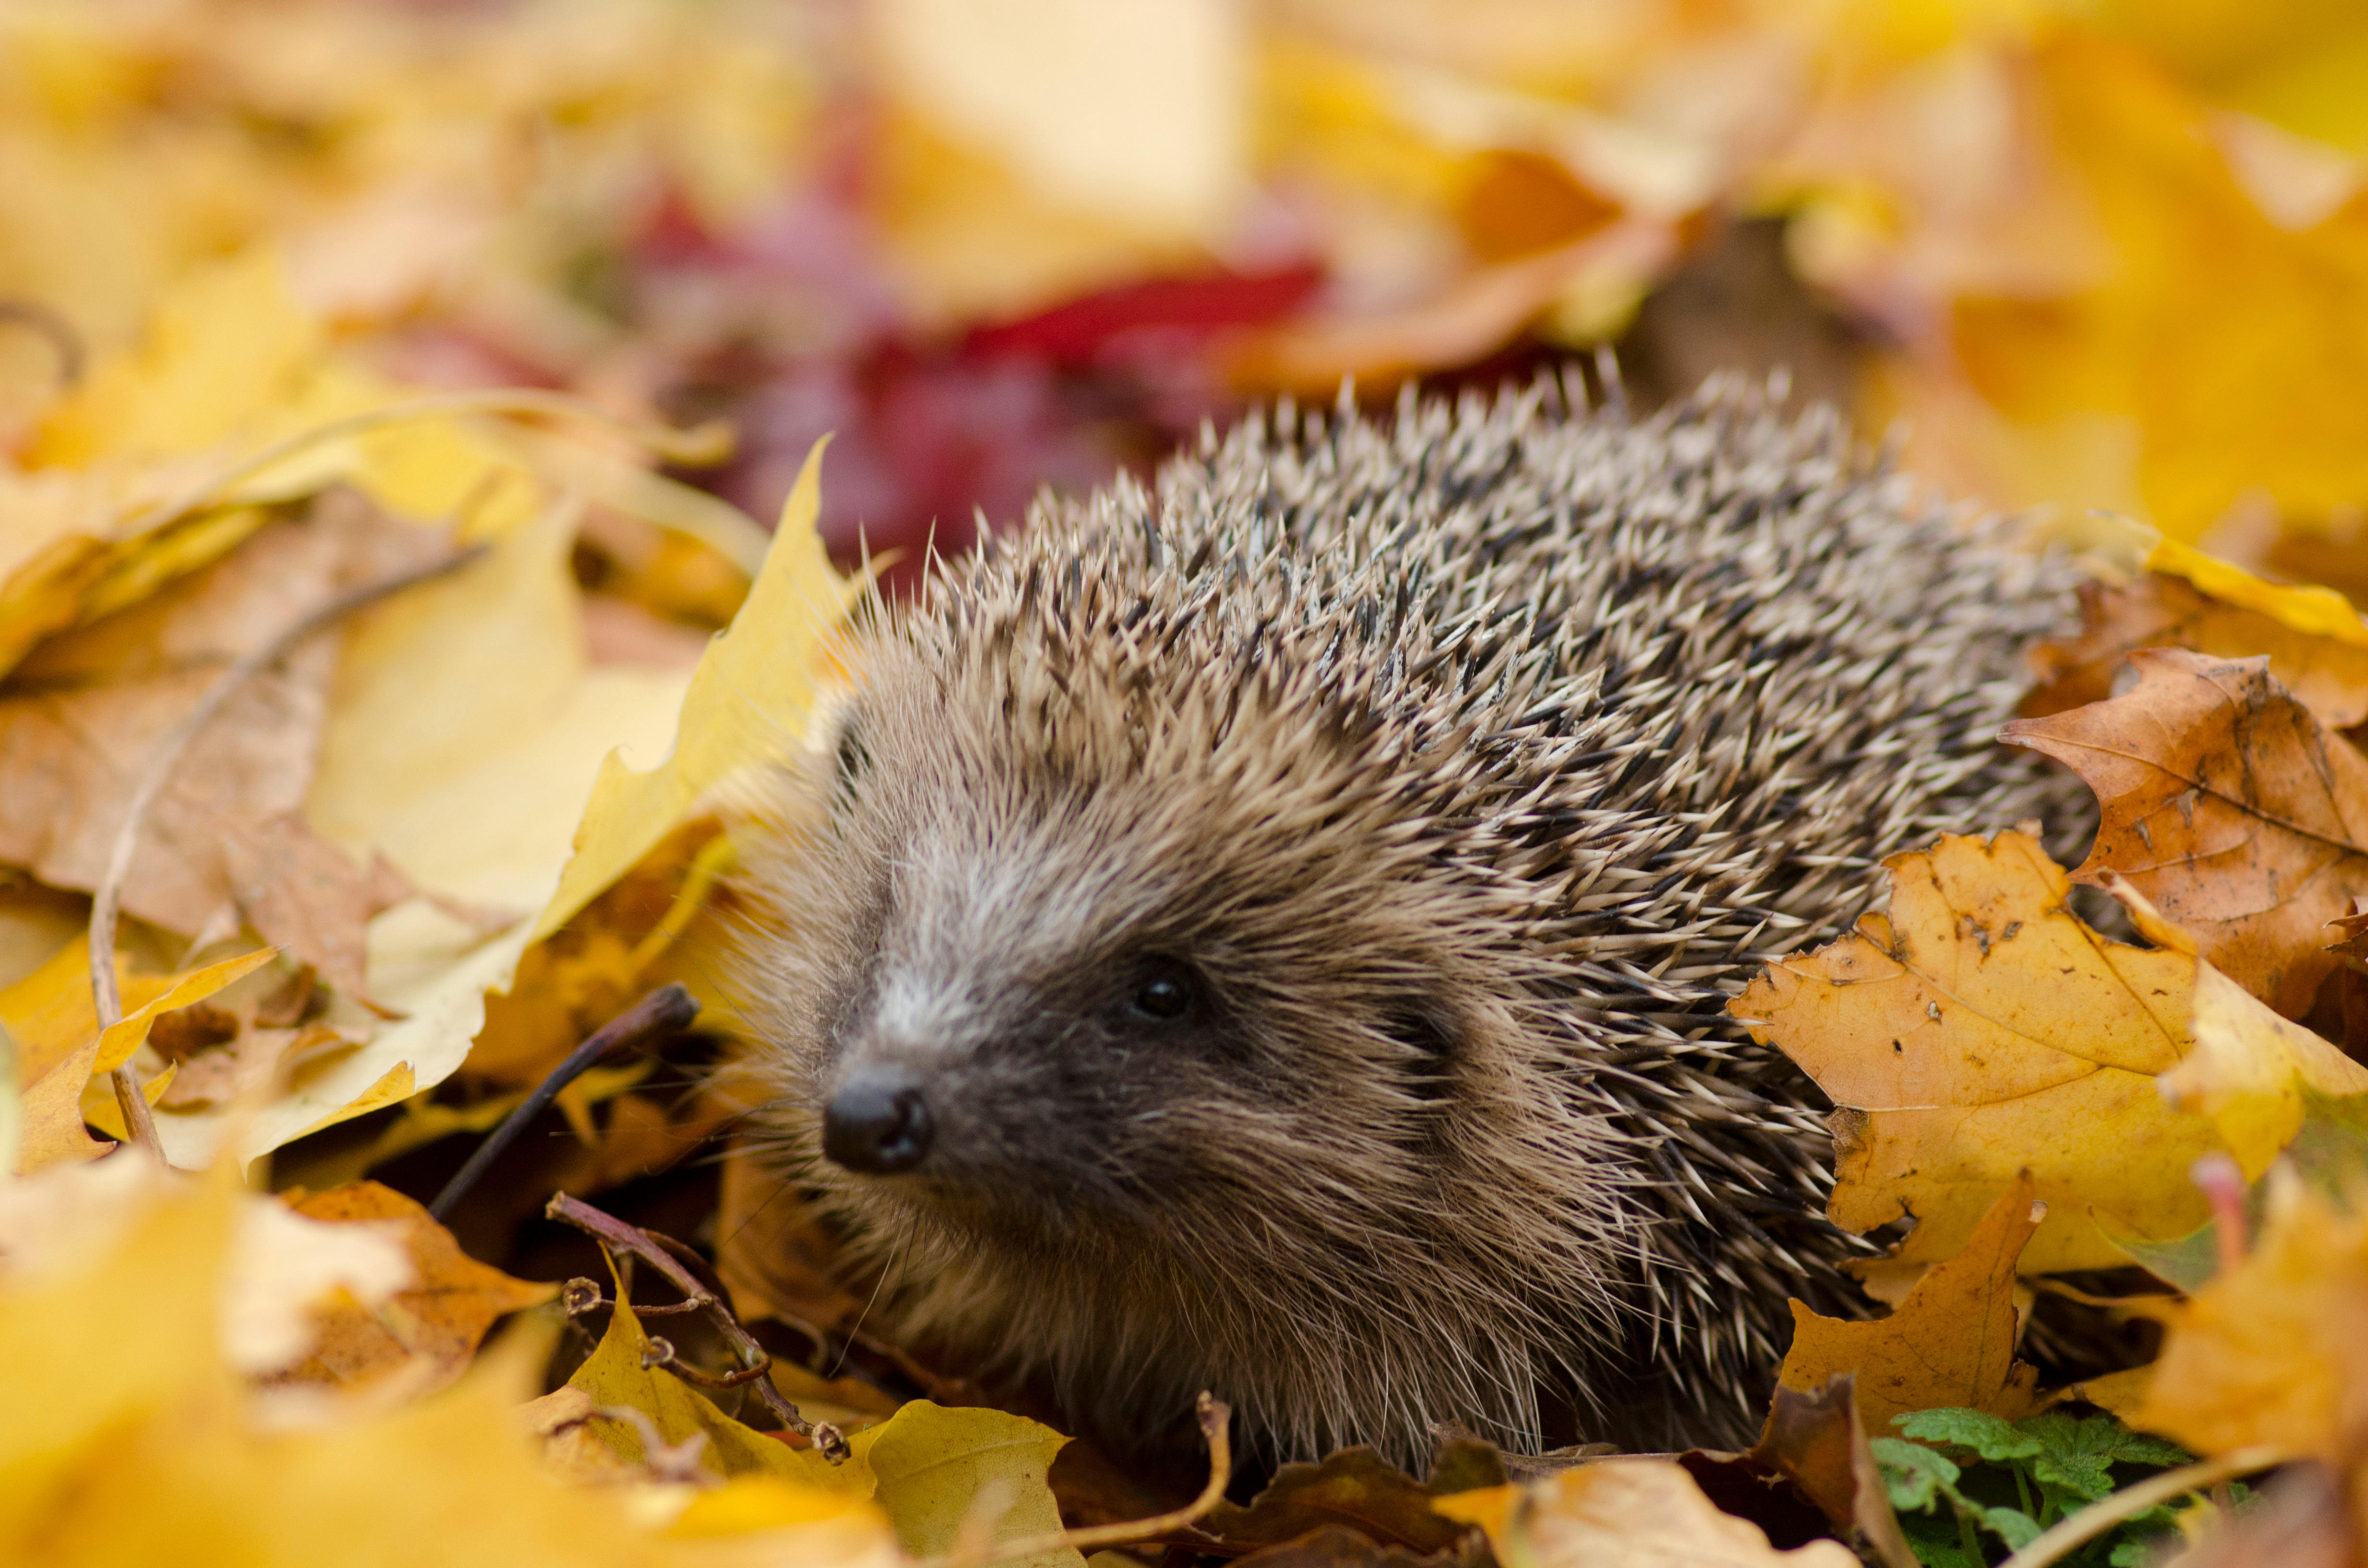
{"points": [[414, 528]]}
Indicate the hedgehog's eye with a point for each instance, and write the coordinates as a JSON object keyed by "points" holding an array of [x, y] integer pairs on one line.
{"points": [[1164, 992], [850, 761]]}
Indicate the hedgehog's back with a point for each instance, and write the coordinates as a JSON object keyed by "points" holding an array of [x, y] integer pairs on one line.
{"points": [[1709, 668], [1464, 765]]}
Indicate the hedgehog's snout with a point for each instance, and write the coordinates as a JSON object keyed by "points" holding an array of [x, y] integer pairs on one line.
{"points": [[878, 1121]]}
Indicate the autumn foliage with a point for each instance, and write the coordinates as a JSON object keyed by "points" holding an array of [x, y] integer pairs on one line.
{"points": [[438, 442]]}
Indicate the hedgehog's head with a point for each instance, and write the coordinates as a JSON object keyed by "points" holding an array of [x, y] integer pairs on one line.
{"points": [[1142, 971]]}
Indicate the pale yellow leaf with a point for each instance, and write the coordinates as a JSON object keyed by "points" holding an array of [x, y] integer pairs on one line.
{"points": [[931, 1464], [746, 705], [1625, 1513]]}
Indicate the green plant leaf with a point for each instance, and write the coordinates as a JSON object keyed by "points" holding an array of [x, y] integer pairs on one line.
{"points": [[1912, 1474], [2012, 1525], [2074, 1454], [1992, 1437]]}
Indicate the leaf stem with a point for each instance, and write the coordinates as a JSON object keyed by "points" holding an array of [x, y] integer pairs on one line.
{"points": [[1966, 1537], [2066, 1537], [663, 1011], [107, 899]]}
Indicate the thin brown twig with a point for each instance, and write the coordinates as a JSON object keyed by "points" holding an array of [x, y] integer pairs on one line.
{"points": [[666, 1010], [616, 1236], [107, 899], [1216, 1429], [661, 1353]]}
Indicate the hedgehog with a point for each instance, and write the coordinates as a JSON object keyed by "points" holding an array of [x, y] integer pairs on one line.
{"points": [[1272, 932]]}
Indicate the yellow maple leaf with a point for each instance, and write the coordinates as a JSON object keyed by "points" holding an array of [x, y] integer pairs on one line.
{"points": [[1949, 1344], [1981, 1029], [2275, 1350]]}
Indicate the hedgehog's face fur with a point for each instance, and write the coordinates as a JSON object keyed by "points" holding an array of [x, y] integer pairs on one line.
{"points": [[1180, 1031]]}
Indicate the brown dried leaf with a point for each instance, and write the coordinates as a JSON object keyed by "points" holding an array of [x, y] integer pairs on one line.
{"points": [[1951, 1343], [433, 1326], [2327, 674], [1354, 1486], [1815, 1439], [84, 712], [219, 1075], [2228, 807], [305, 894]]}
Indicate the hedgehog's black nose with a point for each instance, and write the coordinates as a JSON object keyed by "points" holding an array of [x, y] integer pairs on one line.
{"points": [[877, 1122]]}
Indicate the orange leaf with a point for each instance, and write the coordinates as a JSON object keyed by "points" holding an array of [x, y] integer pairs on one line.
{"points": [[2274, 1350], [2228, 806], [2328, 674], [1951, 1344], [435, 1323]]}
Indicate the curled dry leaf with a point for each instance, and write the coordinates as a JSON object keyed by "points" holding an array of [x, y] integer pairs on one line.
{"points": [[431, 1324], [1354, 1487], [1949, 1344], [2275, 1350], [2226, 804], [2316, 644], [1816, 1438], [1622, 1512], [1981, 1029]]}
